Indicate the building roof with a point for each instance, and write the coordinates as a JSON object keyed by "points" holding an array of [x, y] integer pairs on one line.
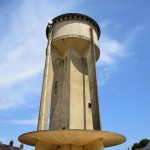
{"points": [[147, 146], [10, 146]]}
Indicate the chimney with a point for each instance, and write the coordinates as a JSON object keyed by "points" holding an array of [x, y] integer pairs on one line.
{"points": [[21, 146], [11, 143]]}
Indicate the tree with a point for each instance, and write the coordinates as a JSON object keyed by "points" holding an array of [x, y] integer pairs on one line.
{"points": [[135, 146], [141, 144]]}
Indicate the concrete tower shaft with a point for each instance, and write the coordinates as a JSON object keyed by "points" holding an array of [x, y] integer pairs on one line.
{"points": [[73, 50], [69, 90]]}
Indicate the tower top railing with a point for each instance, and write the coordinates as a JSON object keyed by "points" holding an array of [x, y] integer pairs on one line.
{"points": [[75, 16]]}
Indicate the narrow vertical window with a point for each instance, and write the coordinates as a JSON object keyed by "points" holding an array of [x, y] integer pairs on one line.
{"points": [[56, 85], [89, 104]]}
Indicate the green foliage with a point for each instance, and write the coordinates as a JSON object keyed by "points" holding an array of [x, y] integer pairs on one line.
{"points": [[141, 144], [135, 146]]}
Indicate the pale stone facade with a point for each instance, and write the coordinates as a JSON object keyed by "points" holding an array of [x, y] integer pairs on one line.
{"points": [[73, 46], [69, 91]]}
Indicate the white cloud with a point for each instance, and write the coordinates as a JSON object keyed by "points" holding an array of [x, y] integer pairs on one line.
{"points": [[22, 48], [18, 67], [110, 50], [105, 23], [32, 121], [19, 94]]}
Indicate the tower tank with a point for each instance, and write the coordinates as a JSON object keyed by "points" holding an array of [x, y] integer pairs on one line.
{"points": [[72, 30]]}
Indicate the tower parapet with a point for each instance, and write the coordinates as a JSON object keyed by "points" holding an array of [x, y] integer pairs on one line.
{"points": [[77, 17]]}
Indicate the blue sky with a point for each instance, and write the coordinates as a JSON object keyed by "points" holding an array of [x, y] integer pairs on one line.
{"points": [[123, 69]]}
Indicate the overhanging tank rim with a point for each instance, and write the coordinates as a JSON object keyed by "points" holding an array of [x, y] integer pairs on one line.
{"points": [[95, 24]]}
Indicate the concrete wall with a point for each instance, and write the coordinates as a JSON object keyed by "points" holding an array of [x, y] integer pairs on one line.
{"points": [[71, 106], [93, 87], [59, 116], [74, 99], [76, 92], [73, 28], [80, 113]]}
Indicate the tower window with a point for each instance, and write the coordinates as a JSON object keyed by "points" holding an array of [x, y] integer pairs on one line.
{"points": [[89, 105], [56, 84]]}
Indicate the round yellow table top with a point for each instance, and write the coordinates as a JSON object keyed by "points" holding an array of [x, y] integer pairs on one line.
{"points": [[75, 137]]}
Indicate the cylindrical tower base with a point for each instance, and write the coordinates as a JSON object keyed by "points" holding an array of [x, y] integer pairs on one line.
{"points": [[71, 139]]}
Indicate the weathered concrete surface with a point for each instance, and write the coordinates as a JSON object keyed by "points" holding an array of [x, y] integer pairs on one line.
{"points": [[70, 85], [93, 84], [70, 94], [70, 82], [46, 88], [75, 104], [80, 113], [84, 138], [60, 106]]}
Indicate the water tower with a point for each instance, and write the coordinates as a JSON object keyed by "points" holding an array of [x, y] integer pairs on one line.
{"points": [[70, 91]]}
